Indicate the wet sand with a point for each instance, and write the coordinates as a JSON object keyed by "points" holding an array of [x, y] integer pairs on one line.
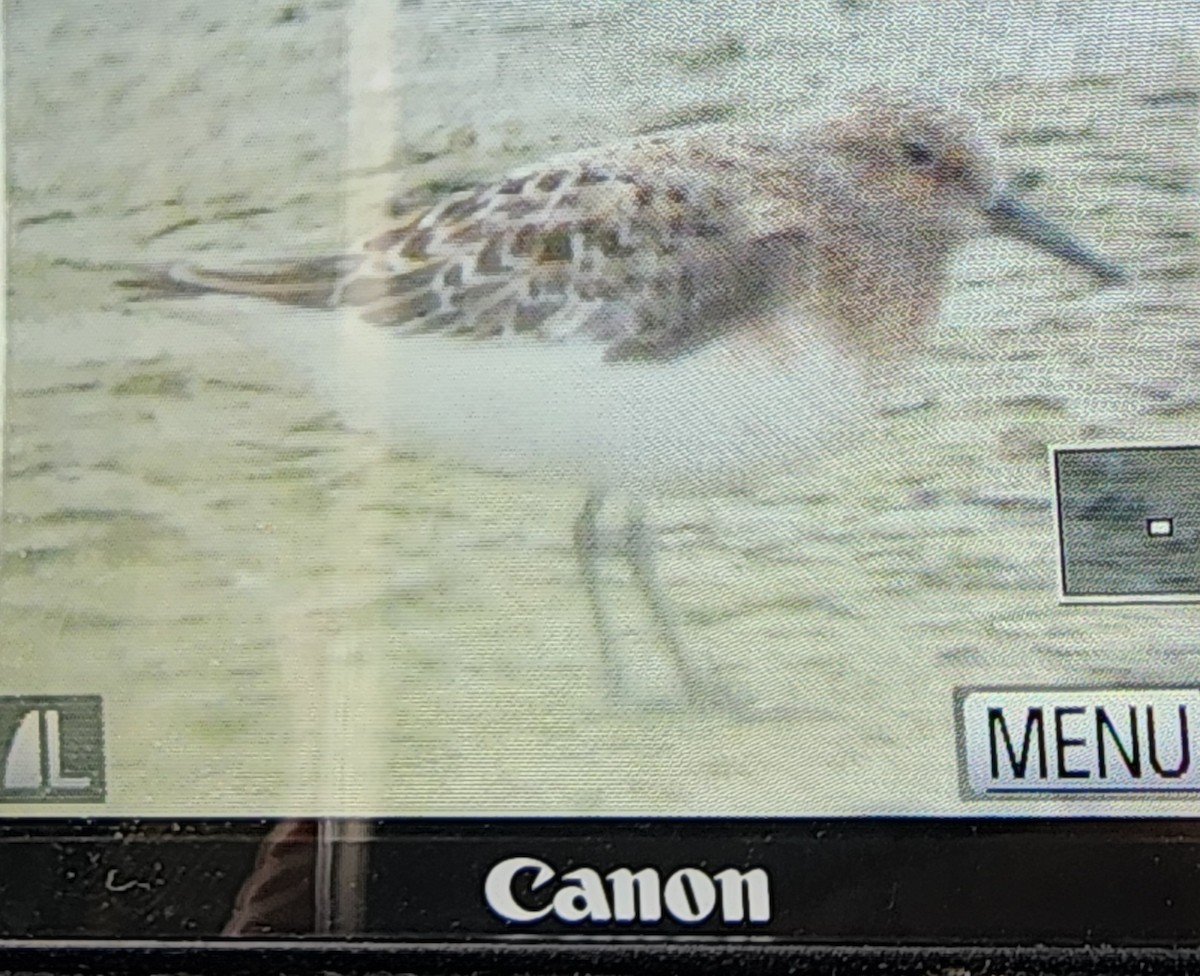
{"points": [[286, 614]]}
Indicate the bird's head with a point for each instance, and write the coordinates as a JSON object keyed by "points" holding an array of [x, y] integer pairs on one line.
{"points": [[919, 165]]}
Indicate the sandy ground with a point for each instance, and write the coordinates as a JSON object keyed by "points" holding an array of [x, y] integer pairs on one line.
{"points": [[287, 614]]}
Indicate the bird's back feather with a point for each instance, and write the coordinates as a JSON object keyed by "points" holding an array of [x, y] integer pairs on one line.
{"points": [[652, 250]]}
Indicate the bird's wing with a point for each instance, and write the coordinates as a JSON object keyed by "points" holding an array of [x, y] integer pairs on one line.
{"points": [[651, 251], [309, 283]]}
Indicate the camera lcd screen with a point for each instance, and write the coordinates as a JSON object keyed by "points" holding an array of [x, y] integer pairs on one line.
{"points": [[445, 409]]}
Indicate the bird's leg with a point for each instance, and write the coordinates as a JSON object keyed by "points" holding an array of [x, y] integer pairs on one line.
{"points": [[896, 388], [588, 552], [700, 685]]}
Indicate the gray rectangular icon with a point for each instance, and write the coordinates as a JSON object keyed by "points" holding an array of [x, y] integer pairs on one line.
{"points": [[1128, 523], [51, 749]]}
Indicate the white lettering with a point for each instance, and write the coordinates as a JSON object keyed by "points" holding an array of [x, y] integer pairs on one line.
{"points": [[690, 895], [636, 897], [497, 889], [54, 747], [736, 886], [585, 900]]}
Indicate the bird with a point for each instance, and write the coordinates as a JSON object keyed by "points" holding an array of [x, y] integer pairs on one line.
{"points": [[669, 313]]}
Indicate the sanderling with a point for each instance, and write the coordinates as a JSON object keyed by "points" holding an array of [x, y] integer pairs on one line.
{"points": [[667, 312]]}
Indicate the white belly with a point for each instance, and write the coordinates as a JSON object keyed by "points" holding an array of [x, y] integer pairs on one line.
{"points": [[720, 415]]}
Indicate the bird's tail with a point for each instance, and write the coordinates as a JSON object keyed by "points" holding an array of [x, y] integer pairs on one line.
{"points": [[308, 284]]}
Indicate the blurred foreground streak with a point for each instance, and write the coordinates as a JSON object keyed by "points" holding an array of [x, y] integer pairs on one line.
{"points": [[279, 896]]}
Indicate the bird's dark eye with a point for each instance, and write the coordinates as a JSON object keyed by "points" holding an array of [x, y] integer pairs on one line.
{"points": [[918, 153]]}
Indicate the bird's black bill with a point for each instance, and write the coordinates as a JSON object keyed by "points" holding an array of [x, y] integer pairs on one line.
{"points": [[1013, 218]]}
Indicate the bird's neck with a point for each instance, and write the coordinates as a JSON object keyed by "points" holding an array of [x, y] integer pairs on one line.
{"points": [[882, 299]]}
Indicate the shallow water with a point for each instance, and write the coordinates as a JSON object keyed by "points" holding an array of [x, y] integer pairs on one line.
{"points": [[288, 615]]}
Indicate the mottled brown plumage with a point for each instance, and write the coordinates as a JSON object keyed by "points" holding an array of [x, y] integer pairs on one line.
{"points": [[657, 246]]}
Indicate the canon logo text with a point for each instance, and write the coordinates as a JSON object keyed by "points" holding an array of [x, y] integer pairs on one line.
{"points": [[623, 896]]}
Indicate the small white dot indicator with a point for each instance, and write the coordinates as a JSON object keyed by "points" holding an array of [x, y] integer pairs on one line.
{"points": [[1160, 528]]}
